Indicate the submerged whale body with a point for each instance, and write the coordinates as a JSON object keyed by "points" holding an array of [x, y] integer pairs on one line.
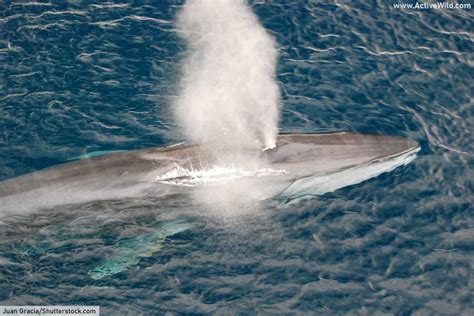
{"points": [[129, 252], [299, 165]]}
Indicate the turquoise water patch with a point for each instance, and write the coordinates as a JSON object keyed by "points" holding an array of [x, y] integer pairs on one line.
{"points": [[96, 154], [129, 251]]}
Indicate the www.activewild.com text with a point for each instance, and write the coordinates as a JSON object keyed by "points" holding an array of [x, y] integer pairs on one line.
{"points": [[435, 5]]}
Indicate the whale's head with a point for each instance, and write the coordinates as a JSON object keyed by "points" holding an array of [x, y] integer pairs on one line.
{"points": [[320, 163]]}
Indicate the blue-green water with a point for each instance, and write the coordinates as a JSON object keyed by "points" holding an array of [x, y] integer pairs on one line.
{"points": [[84, 76]]}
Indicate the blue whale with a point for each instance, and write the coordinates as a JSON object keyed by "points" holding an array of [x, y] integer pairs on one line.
{"points": [[299, 165]]}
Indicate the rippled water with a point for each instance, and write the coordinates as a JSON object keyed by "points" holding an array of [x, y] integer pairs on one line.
{"points": [[89, 76]]}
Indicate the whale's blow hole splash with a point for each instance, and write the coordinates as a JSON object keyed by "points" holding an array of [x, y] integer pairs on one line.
{"points": [[228, 97], [228, 87]]}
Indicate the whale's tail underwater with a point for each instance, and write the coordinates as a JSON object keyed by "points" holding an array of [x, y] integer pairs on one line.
{"points": [[299, 165]]}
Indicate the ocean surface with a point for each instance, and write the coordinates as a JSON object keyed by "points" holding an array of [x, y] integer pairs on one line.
{"points": [[78, 77]]}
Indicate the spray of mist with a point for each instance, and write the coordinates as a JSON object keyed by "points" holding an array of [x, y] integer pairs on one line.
{"points": [[228, 90], [229, 98]]}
